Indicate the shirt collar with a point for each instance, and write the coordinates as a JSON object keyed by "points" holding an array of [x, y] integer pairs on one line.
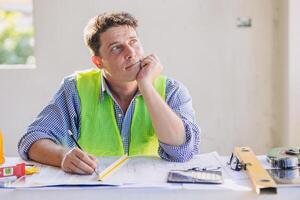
{"points": [[105, 88]]}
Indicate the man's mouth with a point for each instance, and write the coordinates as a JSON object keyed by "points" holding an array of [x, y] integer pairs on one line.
{"points": [[136, 64]]}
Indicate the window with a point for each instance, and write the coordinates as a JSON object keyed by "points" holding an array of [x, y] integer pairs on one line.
{"points": [[16, 34]]}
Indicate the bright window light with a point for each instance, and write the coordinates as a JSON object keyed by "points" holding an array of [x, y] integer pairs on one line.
{"points": [[16, 33]]}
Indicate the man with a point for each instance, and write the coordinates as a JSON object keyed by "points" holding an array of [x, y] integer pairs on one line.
{"points": [[125, 106]]}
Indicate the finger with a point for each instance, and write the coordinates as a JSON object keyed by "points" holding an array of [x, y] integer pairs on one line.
{"points": [[144, 65], [152, 59], [69, 167], [149, 59], [91, 162], [69, 170], [93, 158], [83, 156], [82, 166], [74, 169], [75, 157], [154, 56], [146, 59], [146, 62]]}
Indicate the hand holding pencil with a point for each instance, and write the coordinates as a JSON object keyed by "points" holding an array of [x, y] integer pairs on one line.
{"points": [[77, 161]]}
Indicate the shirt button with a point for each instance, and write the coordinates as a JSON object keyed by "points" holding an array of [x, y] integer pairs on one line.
{"points": [[119, 115]]}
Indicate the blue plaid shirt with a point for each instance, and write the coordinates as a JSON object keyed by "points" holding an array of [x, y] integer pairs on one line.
{"points": [[63, 114]]}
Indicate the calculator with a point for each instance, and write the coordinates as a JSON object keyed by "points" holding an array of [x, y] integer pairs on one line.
{"points": [[193, 176]]}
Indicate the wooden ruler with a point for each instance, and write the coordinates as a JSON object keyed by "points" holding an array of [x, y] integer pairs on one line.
{"points": [[260, 178]]}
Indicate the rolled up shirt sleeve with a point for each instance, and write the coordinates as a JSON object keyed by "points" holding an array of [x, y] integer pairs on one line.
{"points": [[180, 101], [59, 116]]}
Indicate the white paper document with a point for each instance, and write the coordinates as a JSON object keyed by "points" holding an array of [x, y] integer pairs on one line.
{"points": [[136, 172], [154, 171]]}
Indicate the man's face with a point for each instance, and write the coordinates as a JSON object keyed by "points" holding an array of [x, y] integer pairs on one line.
{"points": [[119, 52]]}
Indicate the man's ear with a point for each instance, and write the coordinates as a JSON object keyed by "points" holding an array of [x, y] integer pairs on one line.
{"points": [[97, 61]]}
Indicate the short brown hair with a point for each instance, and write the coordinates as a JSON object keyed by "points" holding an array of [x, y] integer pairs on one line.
{"points": [[101, 23]]}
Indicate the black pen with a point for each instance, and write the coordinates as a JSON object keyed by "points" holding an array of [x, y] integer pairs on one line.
{"points": [[72, 136]]}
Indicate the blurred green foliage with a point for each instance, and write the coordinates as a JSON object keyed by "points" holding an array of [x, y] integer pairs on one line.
{"points": [[16, 39]]}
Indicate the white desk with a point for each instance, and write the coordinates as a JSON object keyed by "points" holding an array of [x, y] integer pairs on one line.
{"points": [[110, 193], [140, 194]]}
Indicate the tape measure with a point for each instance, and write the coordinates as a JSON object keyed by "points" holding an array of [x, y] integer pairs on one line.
{"points": [[284, 157], [16, 170], [285, 174]]}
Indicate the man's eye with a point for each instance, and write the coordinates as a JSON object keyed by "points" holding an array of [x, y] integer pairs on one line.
{"points": [[134, 41], [116, 49]]}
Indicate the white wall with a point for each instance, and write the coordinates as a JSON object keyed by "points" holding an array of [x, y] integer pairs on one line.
{"points": [[294, 72], [235, 75]]}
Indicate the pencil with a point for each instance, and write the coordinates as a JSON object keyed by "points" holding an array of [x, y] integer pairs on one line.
{"points": [[112, 167], [72, 136]]}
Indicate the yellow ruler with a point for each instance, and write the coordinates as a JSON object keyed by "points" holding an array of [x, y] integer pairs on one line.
{"points": [[112, 167], [260, 178]]}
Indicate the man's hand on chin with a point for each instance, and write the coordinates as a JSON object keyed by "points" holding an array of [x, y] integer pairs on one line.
{"points": [[150, 70]]}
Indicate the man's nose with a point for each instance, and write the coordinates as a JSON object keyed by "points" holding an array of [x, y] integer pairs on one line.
{"points": [[130, 53]]}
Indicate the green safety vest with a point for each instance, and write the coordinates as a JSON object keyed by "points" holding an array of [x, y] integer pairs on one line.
{"points": [[99, 133]]}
